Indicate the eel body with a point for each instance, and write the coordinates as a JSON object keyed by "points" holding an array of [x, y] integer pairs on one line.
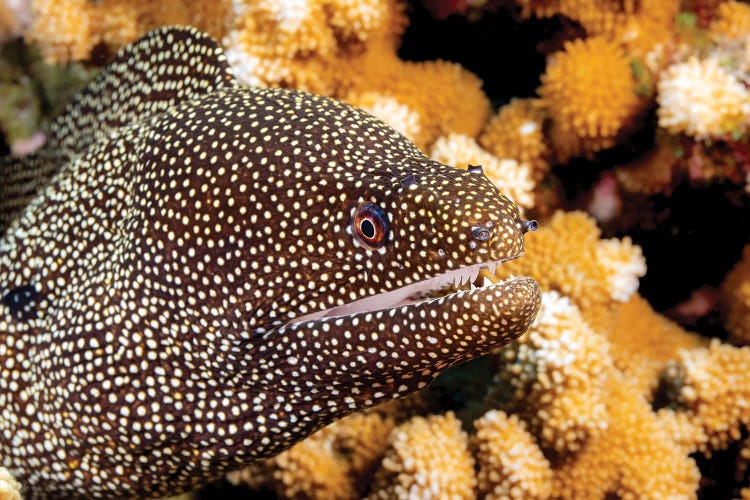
{"points": [[196, 275]]}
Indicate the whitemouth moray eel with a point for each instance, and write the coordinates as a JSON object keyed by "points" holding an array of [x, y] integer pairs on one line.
{"points": [[196, 275]]}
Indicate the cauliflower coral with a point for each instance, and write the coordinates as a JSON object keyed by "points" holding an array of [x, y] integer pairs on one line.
{"points": [[589, 92], [517, 132], [567, 255], [426, 458], [732, 21], [512, 178], [556, 376], [603, 434], [639, 26], [703, 99], [332, 47], [10, 489], [706, 386], [330, 464], [511, 465]]}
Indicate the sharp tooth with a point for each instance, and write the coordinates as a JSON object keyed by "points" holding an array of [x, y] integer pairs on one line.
{"points": [[457, 280], [486, 281], [473, 287], [491, 267]]}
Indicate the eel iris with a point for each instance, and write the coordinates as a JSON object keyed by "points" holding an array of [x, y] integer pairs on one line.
{"points": [[196, 275]]}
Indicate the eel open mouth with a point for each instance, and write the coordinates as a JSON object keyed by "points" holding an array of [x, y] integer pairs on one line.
{"points": [[463, 279]]}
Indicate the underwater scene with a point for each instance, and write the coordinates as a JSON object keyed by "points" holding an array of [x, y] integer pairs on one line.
{"points": [[376, 249]]}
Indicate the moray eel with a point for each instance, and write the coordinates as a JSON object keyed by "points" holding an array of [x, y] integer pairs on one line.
{"points": [[196, 275]]}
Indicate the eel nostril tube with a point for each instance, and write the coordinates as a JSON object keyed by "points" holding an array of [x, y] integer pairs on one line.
{"points": [[529, 225]]}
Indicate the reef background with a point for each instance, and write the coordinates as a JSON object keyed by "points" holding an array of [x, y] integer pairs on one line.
{"points": [[622, 126]]}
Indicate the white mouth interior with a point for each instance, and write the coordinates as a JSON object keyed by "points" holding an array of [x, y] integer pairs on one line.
{"points": [[409, 294]]}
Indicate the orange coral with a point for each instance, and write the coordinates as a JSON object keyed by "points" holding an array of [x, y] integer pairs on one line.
{"points": [[702, 98], [589, 91], [735, 300], [642, 341], [332, 463], [556, 372], [511, 465], [68, 30], [709, 385], [634, 458], [601, 278], [400, 116], [426, 458], [332, 47], [10, 489], [732, 21], [318, 46], [607, 438], [638, 25], [62, 29], [513, 179], [362, 438], [447, 98], [516, 132], [567, 255], [310, 470]]}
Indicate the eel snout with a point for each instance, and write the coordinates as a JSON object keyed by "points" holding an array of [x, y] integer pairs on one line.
{"points": [[395, 351]]}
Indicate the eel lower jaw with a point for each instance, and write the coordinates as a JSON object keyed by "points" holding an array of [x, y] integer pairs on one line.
{"points": [[458, 280]]}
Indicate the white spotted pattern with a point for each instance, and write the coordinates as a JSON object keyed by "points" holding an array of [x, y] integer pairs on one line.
{"points": [[150, 330]]}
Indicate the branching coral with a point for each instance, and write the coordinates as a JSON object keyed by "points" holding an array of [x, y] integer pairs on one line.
{"points": [[400, 116], [332, 47], [361, 438], [512, 178], [605, 438], [511, 465], [556, 372], [567, 255], [330, 464], [447, 98], [10, 489], [639, 26], [68, 30], [516, 132], [702, 99], [601, 277], [310, 44], [642, 341], [426, 458], [732, 21], [589, 91], [709, 386], [735, 300], [634, 458], [308, 470]]}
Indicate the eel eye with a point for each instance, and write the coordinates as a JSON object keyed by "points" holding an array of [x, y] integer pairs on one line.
{"points": [[371, 225]]}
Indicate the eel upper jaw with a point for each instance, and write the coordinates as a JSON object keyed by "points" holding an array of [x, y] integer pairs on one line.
{"points": [[413, 293]]}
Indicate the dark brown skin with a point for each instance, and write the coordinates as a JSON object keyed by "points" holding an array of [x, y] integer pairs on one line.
{"points": [[161, 293]]}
